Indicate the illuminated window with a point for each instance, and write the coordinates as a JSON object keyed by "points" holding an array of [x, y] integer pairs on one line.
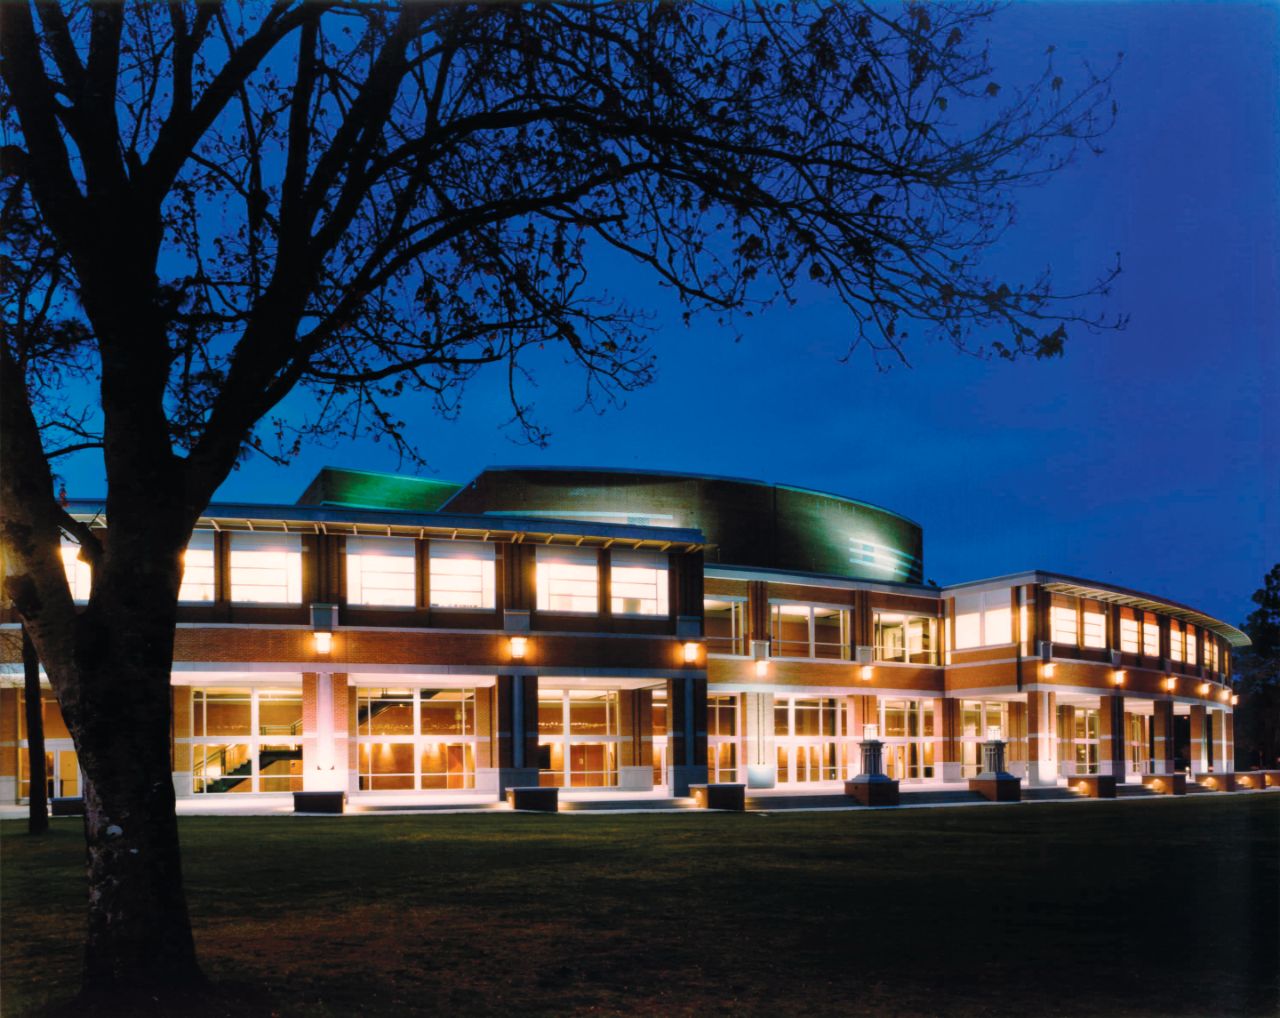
{"points": [[1175, 641], [266, 568], [79, 575], [1130, 641], [1150, 635], [1095, 627], [638, 583], [381, 571], [1191, 646], [1062, 624], [415, 739], [245, 740], [808, 630], [906, 638], [725, 625], [983, 619], [197, 568], [568, 580], [1211, 653], [462, 575]]}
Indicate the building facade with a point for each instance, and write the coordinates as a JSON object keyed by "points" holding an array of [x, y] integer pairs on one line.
{"points": [[634, 632]]}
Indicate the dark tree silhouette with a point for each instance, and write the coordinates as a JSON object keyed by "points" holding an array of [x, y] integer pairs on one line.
{"points": [[1257, 669], [355, 201]]}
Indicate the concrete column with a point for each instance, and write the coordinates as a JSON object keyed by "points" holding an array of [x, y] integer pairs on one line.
{"points": [[758, 746], [949, 728], [1223, 750], [1067, 749], [514, 728], [1229, 742], [1111, 736], [1162, 737], [326, 760], [1199, 732], [687, 734], [1016, 748], [1042, 738]]}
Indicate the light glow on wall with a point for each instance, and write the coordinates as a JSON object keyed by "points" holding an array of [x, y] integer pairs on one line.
{"points": [[323, 641], [519, 647]]}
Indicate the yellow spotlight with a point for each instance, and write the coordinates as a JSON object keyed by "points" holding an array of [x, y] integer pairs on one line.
{"points": [[691, 653], [762, 668], [1049, 669], [324, 641], [866, 671], [519, 645], [1117, 677]]}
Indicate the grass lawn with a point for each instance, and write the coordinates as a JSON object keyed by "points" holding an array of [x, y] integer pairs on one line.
{"points": [[1115, 908]]}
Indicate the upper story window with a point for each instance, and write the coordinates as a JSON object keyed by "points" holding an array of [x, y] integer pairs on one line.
{"points": [[79, 575], [462, 575], [1191, 646], [638, 583], [1062, 623], [1176, 646], [1130, 637], [568, 580], [266, 568], [381, 571], [1150, 635], [725, 625], [197, 568], [809, 630], [1211, 653], [907, 638], [1095, 625], [983, 619]]}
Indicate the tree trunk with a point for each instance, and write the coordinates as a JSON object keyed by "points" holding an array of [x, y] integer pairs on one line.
{"points": [[37, 797]]}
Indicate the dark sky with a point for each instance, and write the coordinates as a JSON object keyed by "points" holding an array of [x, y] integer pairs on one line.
{"points": [[1147, 458]]}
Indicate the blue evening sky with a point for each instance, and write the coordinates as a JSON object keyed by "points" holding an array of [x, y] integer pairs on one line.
{"points": [[1147, 458]]}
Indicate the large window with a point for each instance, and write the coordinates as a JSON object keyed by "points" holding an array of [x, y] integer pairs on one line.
{"points": [[266, 568], [198, 568], [410, 739], [1078, 739], [722, 738], [1150, 635], [1176, 647], [906, 638], [381, 571], [980, 720], [983, 619], [1191, 645], [725, 622], [807, 739], [1130, 639], [245, 739], [568, 580], [1062, 624], [578, 738], [808, 630], [638, 583], [1095, 626], [462, 575], [907, 729], [79, 574]]}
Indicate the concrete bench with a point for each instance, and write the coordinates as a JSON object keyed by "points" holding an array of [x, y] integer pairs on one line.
{"points": [[872, 790], [67, 806], [535, 799], [1093, 786], [1002, 787], [1257, 779], [1166, 784], [727, 796], [319, 802], [1216, 782]]}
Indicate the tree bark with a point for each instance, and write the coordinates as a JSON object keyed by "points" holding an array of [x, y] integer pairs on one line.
{"points": [[37, 797]]}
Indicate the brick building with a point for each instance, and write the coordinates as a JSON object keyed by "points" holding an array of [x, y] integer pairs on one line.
{"points": [[635, 631]]}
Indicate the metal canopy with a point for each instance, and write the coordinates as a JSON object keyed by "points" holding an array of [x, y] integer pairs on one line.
{"points": [[1130, 600]]}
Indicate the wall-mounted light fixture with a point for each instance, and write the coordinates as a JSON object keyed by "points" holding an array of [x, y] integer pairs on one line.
{"points": [[1171, 684], [1117, 677], [324, 620], [866, 672], [762, 669], [1204, 689], [1224, 696], [323, 641], [1235, 699], [519, 647], [691, 653], [1049, 669]]}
